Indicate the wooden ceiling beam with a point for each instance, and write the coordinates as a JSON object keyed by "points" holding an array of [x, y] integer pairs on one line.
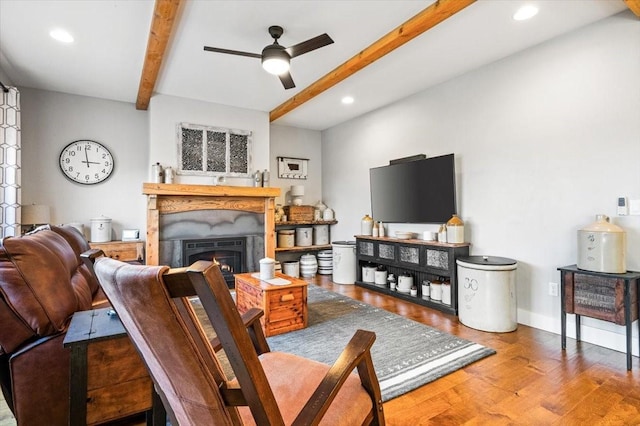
{"points": [[164, 16], [634, 5], [423, 21]]}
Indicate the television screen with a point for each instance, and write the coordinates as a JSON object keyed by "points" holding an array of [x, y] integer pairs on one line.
{"points": [[419, 191]]}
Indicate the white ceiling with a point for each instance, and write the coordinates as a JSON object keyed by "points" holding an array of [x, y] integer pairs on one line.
{"points": [[106, 59]]}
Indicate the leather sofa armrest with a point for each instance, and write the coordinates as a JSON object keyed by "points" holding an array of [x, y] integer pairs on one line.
{"points": [[29, 345], [40, 381]]}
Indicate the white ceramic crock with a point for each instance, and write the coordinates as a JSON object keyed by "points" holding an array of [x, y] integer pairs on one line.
{"points": [[267, 268], [602, 247], [405, 282], [291, 268], [304, 237], [368, 274], [308, 265], [380, 277], [100, 229]]}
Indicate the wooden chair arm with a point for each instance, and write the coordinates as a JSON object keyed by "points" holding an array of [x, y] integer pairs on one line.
{"points": [[89, 257], [355, 354], [251, 320], [251, 316]]}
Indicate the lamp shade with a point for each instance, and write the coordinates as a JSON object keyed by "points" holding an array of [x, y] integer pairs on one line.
{"points": [[297, 190], [35, 214]]}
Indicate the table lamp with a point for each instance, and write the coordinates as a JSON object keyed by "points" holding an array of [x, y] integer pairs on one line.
{"points": [[297, 192], [34, 215]]}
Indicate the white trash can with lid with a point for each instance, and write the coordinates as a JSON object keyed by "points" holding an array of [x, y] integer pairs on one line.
{"points": [[344, 262], [487, 293]]}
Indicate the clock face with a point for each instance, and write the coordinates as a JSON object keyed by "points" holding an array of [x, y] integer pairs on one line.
{"points": [[86, 162]]}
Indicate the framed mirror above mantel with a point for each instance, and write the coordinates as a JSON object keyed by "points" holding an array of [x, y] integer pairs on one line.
{"points": [[165, 199]]}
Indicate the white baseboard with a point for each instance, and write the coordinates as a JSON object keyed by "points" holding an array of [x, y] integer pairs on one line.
{"points": [[601, 333]]}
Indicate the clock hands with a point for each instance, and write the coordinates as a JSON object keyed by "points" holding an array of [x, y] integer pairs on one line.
{"points": [[86, 155]]}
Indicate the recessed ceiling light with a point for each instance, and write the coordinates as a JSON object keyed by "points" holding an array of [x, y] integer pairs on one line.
{"points": [[61, 35], [347, 100], [525, 12]]}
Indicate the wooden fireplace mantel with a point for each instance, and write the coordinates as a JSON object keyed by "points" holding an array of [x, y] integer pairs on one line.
{"points": [[165, 198]]}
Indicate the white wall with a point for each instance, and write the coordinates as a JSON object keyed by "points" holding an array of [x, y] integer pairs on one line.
{"points": [[166, 112], [297, 143], [50, 121], [4, 78], [544, 140]]}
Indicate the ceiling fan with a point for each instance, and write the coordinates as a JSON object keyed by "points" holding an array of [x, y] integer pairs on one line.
{"points": [[276, 58]]}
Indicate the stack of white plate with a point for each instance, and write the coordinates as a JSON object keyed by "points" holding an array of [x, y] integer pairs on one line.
{"points": [[325, 262]]}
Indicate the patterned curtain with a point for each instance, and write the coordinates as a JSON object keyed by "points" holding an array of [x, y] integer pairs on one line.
{"points": [[10, 163]]}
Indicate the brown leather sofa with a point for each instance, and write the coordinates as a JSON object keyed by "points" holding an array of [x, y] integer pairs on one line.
{"points": [[43, 281]]}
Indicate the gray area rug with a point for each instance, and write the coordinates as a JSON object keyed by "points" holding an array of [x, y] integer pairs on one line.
{"points": [[406, 353]]}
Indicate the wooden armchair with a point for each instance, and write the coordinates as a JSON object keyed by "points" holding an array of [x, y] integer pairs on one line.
{"points": [[270, 388]]}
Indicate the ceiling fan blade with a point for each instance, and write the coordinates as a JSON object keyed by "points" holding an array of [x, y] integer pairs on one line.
{"points": [[309, 45], [232, 52], [287, 81]]}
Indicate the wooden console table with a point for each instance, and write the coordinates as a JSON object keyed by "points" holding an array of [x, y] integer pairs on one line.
{"points": [[126, 251], [608, 297], [422, 259]]}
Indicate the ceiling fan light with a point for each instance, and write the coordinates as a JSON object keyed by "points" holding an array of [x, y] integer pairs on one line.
{"points": [[275, 66], [527, 11], [61, 35], [275, 60]]}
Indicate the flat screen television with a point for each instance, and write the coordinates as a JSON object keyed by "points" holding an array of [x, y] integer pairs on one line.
{"points": [[418, 191]]}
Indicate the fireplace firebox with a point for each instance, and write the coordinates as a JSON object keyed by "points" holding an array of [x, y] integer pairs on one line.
{"points": [[229, 252]]}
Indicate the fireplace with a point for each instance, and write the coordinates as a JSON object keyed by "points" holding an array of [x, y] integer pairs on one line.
{"points": [[177, 212], [230, 253]]}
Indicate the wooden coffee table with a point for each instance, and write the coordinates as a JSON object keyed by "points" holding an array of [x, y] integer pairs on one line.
{"points": [[284, 306]]}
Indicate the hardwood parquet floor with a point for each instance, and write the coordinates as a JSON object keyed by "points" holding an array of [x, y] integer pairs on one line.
{"points": [[530, 381]]}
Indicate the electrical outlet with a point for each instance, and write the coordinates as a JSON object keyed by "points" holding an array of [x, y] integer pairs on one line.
{"points": [[553, 289]]}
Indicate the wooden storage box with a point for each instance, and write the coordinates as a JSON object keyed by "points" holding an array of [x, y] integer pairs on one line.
{"points": [[284, 306], [109, 380], [299, 213], [599, 297]]}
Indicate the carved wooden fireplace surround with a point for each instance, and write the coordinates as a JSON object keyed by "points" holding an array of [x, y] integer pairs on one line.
{"points": [[174, 198]]}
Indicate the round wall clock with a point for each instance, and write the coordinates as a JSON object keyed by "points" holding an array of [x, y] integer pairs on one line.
{"points": [[86, 162]]}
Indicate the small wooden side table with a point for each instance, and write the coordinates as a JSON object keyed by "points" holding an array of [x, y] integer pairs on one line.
{"points": [[284, 306], [608, 297], [108, 380]]}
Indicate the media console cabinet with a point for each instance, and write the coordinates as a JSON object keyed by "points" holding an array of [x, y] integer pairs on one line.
{"points": [[424, 260]]}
